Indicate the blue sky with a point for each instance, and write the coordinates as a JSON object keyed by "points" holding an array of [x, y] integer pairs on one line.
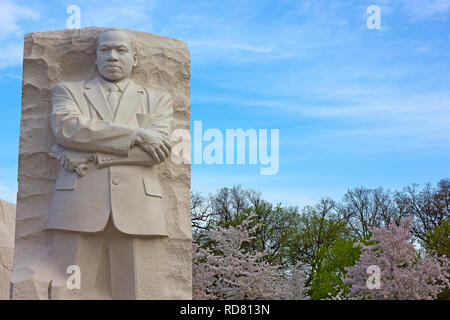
{"points": [[355, 107]]}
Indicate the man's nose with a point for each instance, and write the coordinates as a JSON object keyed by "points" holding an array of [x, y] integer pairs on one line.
{"points": [[112, 56]]}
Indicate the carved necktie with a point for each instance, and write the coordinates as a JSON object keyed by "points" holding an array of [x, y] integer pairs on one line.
{"points": [[113, 98]]}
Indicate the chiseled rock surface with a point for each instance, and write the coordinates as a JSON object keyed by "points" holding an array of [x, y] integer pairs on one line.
{"points": [[69, 55], [7, 225]]}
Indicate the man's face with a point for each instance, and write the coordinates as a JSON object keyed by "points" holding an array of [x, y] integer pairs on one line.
{"points": [[115, 58]]}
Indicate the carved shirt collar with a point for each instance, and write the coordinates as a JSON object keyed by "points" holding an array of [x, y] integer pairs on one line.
{"points": [[108, 85]]}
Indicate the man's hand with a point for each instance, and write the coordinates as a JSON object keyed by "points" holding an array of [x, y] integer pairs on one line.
{"points": [[71, 159], [154, 146]]}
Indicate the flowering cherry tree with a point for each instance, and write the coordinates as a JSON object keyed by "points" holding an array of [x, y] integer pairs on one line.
{"points": [[406, 273], [230, 271]]}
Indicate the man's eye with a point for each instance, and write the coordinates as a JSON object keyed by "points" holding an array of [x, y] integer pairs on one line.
{"points": [[122, 51]]}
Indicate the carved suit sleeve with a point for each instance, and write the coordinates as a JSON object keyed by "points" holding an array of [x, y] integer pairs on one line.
{"points": [[74, 131], [161, 114], [158, 120]]}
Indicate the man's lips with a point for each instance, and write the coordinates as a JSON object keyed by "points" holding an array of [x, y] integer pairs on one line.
{"points": [[112, 67]]}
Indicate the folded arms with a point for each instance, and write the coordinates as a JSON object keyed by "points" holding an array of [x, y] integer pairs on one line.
{"points": [[105, 142]]}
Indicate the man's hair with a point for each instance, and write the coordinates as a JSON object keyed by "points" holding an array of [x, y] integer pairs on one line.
{"points": [[133, 46]]}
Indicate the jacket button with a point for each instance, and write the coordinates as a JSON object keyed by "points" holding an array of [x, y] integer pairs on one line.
{"points": [[116, 181]]}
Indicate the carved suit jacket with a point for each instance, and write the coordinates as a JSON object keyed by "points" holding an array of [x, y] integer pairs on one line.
{"points": [[124, 182]]}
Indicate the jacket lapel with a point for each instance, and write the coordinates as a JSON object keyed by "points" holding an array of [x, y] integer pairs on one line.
{"points": [[128, 103], [94, 94]]}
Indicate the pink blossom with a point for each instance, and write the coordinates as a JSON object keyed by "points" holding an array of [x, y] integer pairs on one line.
{"points": [[406, 273], [239, 274]]}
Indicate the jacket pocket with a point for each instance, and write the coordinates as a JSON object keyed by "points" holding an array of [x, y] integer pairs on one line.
{"points": [[152, 187], [66, 180]]}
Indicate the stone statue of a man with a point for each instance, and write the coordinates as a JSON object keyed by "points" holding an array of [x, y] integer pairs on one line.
{"points": [[108, 219]]}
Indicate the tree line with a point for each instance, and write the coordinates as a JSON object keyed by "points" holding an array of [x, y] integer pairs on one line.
{"points": [[313, 248]]}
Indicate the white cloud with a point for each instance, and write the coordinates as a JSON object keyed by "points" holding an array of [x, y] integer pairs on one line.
{"points": [[11, 50], [11, 55], [292, 197], [224, 45], [118, 14], [14, 76], [299, 193], [10, 14], [427, 8], [391, 122], [206, 182]]}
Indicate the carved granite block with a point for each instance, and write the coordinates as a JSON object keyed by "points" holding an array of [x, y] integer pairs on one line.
{"points": [[7, 226], [58, 71]]}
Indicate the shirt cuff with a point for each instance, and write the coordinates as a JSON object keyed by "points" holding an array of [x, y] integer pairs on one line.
{"points": [[133, 139]]}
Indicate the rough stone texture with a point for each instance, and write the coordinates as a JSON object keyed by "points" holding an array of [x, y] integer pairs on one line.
{"points": [[69, 55], [7, 225]]}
